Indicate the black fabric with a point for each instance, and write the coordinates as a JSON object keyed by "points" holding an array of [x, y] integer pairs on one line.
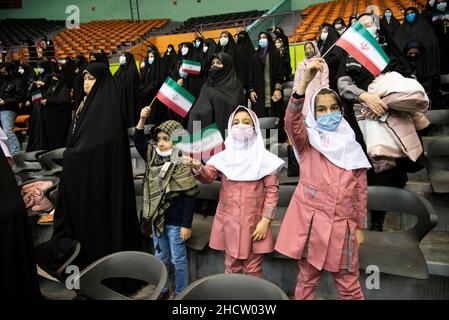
{"points": [[420, 30], [332, 57], [38, 136], [256, 79], [153, 76], [391, 26], [442, 36], [339, 20], [293, 165], [68, 72], [57, 114], [100, 57], [78, 82], [244, 51], [418, 66], [18, 275], [279, 32], [169, 57], [229, 48], [12, 92], [207, 57], [96, 202], [219, 97], [127, 79], [192, 83]]}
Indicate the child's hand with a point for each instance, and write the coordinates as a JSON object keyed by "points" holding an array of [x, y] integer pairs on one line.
{"points": [[185, 233], [145, 113], [310, 73], [360, 236], [192, 163], [261, 229]]}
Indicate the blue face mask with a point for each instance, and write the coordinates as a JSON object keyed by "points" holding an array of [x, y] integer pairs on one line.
{"points": [[263, 43], [329, 121], [410, 17], [387, 15]]}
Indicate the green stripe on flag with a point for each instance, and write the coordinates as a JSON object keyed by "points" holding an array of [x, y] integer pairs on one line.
{"points": [[195, 63], [186, 94], [365, 33], [197, 136]]}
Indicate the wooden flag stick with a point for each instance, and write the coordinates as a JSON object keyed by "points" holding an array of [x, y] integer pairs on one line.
{"points": [[328, 50]]}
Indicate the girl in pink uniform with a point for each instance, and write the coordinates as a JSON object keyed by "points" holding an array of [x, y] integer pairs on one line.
{"points": [[248, 195], [323, 224]]}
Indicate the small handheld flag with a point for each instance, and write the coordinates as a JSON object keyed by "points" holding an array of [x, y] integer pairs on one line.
{"points": [[191, 67], [175, 97], [358, 42], [201, 145]]}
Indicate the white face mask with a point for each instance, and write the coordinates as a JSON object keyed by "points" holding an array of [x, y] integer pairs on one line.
{"points": [[40, 70], [169, 49], [184, 50], [205, 49], [338, 26], [431, 3], [323, 36], [373, 31], [150, 60], [122, 59], [164, 153], [224, 41], [21, 70]]}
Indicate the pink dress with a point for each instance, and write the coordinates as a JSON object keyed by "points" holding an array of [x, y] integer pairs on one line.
{"points": [[328, 205], [241, 205]]}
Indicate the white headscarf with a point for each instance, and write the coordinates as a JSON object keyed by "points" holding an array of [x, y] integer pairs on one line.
{"points": [[246, 161], [4, 144], [338, 146]]}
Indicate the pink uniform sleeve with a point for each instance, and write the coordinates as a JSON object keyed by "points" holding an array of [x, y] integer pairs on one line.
{"points": [[295, 126], [271, 185], [207, 174], [362, 200]]}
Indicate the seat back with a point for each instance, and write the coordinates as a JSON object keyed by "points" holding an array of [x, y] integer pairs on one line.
{"points": [[126, 264], [209, 191], [269, 123], [228, 286], [47, 159], [391, 199], [285, 195], [438, 164]]}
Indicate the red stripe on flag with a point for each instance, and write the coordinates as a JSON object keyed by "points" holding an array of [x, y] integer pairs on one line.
{"points": [[190, 71], [171, 105], [359, 56]]}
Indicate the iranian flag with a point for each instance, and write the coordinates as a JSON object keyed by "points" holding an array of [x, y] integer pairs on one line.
{"points": [[201, 145], [175, 97], [36, 96], [359, 43], [191, 67]]}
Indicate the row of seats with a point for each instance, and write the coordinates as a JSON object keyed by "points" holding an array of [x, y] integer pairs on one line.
{"points": [[219, 20], [16, 32], [107, 35], [317, 14]]}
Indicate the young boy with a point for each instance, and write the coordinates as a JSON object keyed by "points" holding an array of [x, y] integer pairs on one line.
{"points": [[169, 188]]}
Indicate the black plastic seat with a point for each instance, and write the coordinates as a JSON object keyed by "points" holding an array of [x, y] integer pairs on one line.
{"points": [[202, 225], [269, 123], [49, 162], [438, 164], [398, 252], [228, 286]]}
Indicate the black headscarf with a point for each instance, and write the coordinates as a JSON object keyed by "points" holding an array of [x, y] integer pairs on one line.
{"points": [[244, 51], [96, 202], [229, 48], [18, 275], [68, 72], [418, 66], [153, 76], [78, 82], [339, 20], [389, 27], [353, 16], [169, 57], [420, 30], [57, 112], [256, 80], [207, 57], [436, 19], [100, 57], [219, 97], [332, 57], [127, 79], [281, 34]]}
